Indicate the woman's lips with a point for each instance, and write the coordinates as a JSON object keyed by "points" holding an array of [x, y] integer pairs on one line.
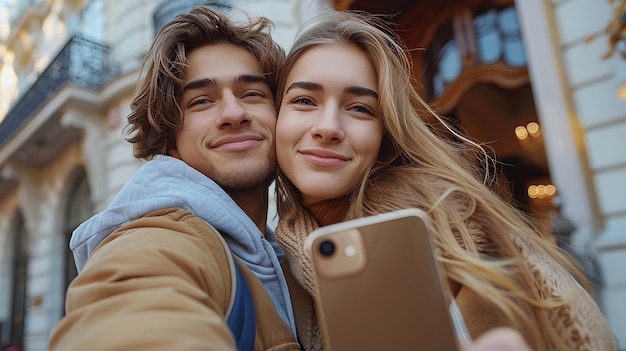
{"points": [[324, 158]]}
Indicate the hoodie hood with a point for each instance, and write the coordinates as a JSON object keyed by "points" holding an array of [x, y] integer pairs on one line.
{"points": [[166, 182]]}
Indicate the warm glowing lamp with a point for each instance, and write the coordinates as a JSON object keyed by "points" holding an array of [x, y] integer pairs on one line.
{"points": [[621, 87]]}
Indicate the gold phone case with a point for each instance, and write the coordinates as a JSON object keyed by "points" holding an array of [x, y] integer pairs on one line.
{"points": [[379, 287]]}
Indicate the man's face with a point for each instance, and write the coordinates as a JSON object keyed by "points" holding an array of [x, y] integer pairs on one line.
{"points": [[229, 118]]}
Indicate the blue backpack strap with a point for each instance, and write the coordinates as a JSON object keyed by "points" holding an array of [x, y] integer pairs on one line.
{"points": [[242, 318]]}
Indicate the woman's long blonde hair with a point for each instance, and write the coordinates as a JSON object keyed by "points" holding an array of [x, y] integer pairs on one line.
{"points": [[472, 226]]}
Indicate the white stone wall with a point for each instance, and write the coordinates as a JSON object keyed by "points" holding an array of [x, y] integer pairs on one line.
{"points": [[42, 192], [129, 30], [585, 125], [603, 121], [40, 195], [287, 15]]}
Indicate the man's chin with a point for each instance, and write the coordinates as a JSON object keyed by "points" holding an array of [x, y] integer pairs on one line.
{"points": [[248, 178]]}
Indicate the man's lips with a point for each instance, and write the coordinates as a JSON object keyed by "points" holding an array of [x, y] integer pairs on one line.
{"points": [[237, 143], [321, 157]]}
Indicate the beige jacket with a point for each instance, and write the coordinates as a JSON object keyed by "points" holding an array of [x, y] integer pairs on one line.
{"points": [[162, 282]]}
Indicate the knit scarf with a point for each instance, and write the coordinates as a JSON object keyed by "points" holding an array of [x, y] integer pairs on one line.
{"points": [[291, 232]]}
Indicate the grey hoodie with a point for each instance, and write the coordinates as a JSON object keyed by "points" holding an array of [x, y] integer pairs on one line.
{"points": [[166, 182]]}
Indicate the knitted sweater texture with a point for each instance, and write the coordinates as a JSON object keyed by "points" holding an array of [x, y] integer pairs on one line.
{"points": [[579, 322]]}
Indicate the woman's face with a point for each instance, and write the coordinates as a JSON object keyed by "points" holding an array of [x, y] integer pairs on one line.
{"points": [[329, 128]]}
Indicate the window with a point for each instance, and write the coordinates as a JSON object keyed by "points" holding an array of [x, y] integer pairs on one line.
{"points": [[79, 208], [472, 38], [20, 275]]}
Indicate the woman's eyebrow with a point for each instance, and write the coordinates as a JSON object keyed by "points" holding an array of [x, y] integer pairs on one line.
{"points": [[305, 85], [356, 90]]}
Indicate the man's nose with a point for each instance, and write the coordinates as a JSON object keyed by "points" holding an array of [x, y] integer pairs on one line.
{"points": [[233, 113]]}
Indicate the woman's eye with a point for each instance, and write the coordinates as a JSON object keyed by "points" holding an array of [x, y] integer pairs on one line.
{"points": [[302, 100], [362, 109]]}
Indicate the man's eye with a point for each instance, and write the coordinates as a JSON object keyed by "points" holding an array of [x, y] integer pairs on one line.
{"points": [[253, 93], [200, 101]]}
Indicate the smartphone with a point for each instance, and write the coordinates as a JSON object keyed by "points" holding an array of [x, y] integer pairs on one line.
{"points": [[379, 286]]}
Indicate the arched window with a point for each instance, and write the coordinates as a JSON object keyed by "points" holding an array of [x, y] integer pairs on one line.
{"points": [[20, 275], [79, 208], [474, 37]]}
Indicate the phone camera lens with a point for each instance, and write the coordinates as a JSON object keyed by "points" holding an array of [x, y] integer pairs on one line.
{"points": [[327, 248]]}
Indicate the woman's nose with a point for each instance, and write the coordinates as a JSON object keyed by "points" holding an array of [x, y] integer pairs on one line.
{"points": [[328, 127]]}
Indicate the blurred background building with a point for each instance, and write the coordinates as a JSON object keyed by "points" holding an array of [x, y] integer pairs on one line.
{"points": [[537, 80]]}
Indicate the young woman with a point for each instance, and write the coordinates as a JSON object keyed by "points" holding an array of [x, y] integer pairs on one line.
{"points": [[353, 140]]}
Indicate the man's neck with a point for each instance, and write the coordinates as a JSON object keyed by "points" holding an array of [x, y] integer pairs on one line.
{"points": [[254, 203]]}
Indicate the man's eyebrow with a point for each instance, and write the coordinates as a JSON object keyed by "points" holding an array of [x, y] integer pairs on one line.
{"points": [[354, 90], [305, 86], [251, 78], [199, 83], [205, 82]]}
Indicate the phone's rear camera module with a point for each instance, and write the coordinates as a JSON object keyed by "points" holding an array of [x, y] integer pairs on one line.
{"points": [[327, 248]]}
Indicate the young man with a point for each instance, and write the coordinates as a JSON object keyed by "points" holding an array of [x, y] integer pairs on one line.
{"points": [[156, 269]]}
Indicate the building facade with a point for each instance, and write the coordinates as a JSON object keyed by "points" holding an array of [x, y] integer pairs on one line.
{"points": [[520, 75]]}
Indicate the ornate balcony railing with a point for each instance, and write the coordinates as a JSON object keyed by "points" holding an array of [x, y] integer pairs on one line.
{"points": [[81, 63], [169, 9]]}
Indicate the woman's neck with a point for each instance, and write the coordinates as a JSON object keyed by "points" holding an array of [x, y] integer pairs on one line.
{"points": [[330, 211]]}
